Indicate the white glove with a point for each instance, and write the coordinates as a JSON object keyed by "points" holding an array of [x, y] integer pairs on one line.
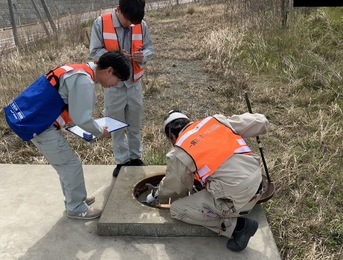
{"points": [[150, 198]]}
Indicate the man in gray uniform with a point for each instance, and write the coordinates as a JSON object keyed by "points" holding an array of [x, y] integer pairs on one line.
{"points": [[125, 101], [77, 89], [213, 152]]}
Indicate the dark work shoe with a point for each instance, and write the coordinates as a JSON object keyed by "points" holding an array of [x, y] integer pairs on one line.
{"points": [[137, 162], [117, 169], [241, 238]]}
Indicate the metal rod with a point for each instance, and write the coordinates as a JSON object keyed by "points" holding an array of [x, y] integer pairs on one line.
{"points": [[258, 140]]}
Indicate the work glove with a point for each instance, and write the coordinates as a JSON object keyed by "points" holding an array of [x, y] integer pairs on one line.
{"points": [[151, 197]]}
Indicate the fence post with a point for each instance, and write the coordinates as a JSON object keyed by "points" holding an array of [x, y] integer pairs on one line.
{"points": [[284, 12], [51, 21], [13, 23], [40, 18]]}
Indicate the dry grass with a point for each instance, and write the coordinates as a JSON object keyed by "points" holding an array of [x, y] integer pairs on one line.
{"points": [[204, 68]]}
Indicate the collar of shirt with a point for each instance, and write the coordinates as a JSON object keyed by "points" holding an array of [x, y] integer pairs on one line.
{"points": [[116, 22], [92, 65]]}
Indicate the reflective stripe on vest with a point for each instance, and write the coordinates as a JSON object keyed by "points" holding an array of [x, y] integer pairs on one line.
{"points": [[109, 33], [210, 143], [137, 45], [111, 42], [54, 75]]}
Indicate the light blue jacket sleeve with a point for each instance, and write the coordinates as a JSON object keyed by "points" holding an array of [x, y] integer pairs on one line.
{"points": [[148, 48], [81, 102]]}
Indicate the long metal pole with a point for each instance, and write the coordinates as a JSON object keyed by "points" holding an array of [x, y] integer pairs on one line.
{"points": [[50, 19], [258, 140], [13, 23], [40, 18]]}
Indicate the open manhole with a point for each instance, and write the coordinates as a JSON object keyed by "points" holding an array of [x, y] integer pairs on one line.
{"points": [[143, 188]]}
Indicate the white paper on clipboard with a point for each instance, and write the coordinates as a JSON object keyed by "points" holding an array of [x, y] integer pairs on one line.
{"points": [[111, 123]]}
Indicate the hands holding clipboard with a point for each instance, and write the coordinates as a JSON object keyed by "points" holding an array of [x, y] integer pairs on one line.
{"points": [[111, 124]]}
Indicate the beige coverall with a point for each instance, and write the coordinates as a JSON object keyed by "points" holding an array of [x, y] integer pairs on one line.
{"points": [[229, 189]]}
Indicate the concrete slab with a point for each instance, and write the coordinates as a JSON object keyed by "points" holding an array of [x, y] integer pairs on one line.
{"points": [[33, 224], [124, 215]]}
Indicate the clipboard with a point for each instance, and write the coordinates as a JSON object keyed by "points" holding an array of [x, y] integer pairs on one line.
{"points": [[111, 123]]}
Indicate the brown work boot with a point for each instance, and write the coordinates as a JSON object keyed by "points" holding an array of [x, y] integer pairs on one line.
{"points": [[91, 213], [90, 200]]}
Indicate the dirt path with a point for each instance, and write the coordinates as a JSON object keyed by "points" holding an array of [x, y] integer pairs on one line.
{"points": [[176, 76]]}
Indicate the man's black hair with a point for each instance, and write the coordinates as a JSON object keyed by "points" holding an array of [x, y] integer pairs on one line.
{"points": [[118, 62], [175, 127], [132, 10]]}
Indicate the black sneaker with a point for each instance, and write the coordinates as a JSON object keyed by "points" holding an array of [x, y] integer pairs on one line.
{"points": [[137, 162], [117, 169], [241, 238]]}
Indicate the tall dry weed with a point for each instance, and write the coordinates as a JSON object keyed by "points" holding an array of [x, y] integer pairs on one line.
{"points": [[294, 79]]}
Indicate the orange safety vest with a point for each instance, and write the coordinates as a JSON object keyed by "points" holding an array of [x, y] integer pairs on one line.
{"points": [[210, 143], [54, 76], [111, 41]]}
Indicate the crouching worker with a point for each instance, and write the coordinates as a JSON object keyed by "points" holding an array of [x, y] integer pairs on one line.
{"points": [[66, 94], [213, 152]]}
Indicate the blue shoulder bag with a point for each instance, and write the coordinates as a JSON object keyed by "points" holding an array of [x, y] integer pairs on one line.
{"points": [[35, 109]]}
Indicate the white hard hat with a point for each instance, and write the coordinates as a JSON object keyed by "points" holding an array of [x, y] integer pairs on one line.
{"points": [[172, 116]]}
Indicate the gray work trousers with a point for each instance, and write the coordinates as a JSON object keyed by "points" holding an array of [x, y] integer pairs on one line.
{"points": [[55, 148], [126, 104], [200, 208]]}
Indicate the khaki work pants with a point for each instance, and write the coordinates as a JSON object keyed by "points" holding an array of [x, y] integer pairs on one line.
{"points": [[201, 209]]}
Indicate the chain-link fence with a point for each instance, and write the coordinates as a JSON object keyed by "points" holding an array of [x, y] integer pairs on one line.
{"points": [[29, 11]]}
